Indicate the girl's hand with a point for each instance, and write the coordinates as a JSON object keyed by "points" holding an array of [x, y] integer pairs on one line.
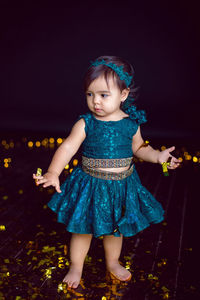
{"points": [[48, 179], [164, 155]]}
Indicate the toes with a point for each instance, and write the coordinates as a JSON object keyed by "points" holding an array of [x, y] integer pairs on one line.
{"points": [[69, 284], [121, 273], [75, 285], [123, 277], [127, 276], [65, 279], [72, 279]]}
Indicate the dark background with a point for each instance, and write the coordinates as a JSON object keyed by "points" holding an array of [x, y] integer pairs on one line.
{"points": [[47, 46]]}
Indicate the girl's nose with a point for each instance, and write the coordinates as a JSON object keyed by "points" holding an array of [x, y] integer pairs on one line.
{"points": [[96, 99]]}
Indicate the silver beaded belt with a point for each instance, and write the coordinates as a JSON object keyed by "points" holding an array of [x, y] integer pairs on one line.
{"points": [[106, 163], [108, 175]]}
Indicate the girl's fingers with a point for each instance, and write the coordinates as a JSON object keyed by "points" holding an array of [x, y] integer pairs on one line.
{"points": [[37, 176], [168, 157], [174, 164], [175, 160], [178, 160], [58, 189], [40, 181], [171, 149], [48, 184]]}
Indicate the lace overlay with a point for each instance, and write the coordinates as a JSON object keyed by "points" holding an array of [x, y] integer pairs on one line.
{"points": [[102, 207], [109, 139]]}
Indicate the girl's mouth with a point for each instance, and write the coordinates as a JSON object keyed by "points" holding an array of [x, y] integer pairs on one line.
{"points": [[97, 109]]}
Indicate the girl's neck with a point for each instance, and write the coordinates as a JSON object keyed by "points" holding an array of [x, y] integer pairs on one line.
{"points": [[121, 115]]}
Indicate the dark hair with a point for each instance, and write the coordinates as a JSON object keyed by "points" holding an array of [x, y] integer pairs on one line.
{"points": [[101, 70]]}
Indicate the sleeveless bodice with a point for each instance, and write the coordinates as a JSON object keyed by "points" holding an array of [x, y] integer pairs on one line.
{"points": [[109, 139]]}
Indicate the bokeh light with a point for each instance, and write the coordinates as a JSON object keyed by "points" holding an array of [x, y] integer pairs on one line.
{"points": [[38, 144], [59, 140], [30, 144], [51, 140]]}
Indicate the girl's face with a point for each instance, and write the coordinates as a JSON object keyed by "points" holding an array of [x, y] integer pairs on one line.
{"points": [[105, 101]]}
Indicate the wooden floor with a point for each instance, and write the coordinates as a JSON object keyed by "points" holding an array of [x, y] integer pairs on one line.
{"points": [[163, 259]]}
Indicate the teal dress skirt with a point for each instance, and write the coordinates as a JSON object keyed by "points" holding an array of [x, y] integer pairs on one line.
{"points": [[91, 205]]}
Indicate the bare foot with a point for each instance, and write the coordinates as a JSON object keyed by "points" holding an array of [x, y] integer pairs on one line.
{"points": [[73, 277], [118, 271]]}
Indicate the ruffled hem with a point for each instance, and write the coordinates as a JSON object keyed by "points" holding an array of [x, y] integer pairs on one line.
{"points": [[90, 205]]}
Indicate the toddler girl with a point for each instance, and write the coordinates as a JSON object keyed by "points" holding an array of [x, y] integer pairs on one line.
{"points": [[104, 196]]}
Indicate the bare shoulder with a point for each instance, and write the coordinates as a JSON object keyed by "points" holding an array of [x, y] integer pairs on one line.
{"points": [[78, 130], [80, 124], [137, 140], [137, 134]]}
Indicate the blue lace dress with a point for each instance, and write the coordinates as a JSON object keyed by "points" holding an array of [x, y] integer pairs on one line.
{"points": [[91, 205]]}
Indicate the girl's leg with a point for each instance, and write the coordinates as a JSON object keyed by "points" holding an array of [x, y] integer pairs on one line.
{"points": [[79, 246], [112, 248]]}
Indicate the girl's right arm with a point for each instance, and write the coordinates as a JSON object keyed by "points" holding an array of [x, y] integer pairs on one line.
{"points": [[62, 156]]}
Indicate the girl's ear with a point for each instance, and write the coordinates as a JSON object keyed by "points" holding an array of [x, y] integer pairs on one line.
{"points": [[124, 94]]}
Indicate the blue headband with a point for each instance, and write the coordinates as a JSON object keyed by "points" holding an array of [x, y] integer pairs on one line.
{"points": [[118, 70]]}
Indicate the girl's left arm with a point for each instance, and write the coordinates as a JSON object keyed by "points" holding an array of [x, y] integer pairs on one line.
{"points": [[149, 154]]}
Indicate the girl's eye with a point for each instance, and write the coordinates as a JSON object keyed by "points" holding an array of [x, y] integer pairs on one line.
{"points": [[104, 95], [88, 94]]}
